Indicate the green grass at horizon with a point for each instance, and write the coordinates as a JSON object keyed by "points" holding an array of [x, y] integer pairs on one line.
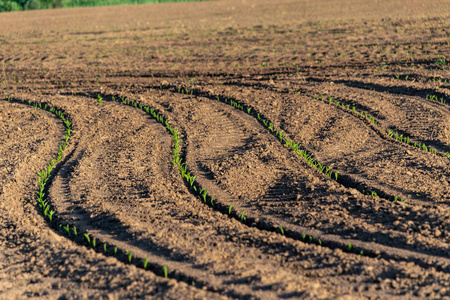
{"points": [[19, 5]]}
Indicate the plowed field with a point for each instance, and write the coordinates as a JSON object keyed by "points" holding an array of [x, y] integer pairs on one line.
{"points": [[226, 149]]}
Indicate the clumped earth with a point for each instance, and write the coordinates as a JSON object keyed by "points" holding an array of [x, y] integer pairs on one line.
{"points": [[321, 129]]}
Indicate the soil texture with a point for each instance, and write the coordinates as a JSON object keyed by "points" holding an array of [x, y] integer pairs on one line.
{"points": [[318, 133]]}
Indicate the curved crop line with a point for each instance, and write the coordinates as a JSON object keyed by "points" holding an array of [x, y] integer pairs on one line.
{"points": [[407, 140], [125, 256], [202, 194], [433, 98], [209, 200], [78, 236], [296, 147], [367, 190]]}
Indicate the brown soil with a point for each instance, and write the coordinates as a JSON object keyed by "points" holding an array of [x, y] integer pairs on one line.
{"points": [[377, 228]]}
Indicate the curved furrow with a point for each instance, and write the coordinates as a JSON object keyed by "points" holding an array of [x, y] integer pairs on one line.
{"points": [[397, 253], [416, 190], [414, 116], [23, 154], [33, 259], [424, 120], [96, 190], [172, 106], [224, 253], [369, 212]]}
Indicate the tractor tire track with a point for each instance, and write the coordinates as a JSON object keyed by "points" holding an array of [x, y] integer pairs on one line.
{"points": [[386, 214], [420, 162], [34, 260], [157, 235]]}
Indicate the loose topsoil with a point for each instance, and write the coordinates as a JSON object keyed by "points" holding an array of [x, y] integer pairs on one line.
{"points": [[320, 128]]}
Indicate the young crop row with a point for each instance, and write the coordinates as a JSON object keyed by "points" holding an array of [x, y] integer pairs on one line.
{"points": [[209, 200], [280, 134], [394, 135], [45, 173], [69, 230], [435, 98], [303, 153], [190, 179]]}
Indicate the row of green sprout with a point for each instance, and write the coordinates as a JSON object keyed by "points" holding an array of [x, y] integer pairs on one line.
{"points": [[296, 146], [72, 232], [280, 134], [435, 98], [392, 134], [45, 174], [177, 161]]}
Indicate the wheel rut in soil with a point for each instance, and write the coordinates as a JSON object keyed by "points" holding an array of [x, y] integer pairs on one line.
{"points": [[129, 234], [97, 230], [153, 237], [310, 221], [426, 162], [362, 215]]}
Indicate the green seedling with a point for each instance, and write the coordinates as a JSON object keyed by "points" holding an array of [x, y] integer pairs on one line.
{"points": [[350, 247], [144, 263], [50, 215], [229, 209], [87, 238], [67, 229], [279, 133], [129, 255], [205, 192], [243, 218], [320, 242], [281, 230], [74, 229], [94, 243], [104, 247], [115, 251], [99, 99], [441, 61], [165, 271]]}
